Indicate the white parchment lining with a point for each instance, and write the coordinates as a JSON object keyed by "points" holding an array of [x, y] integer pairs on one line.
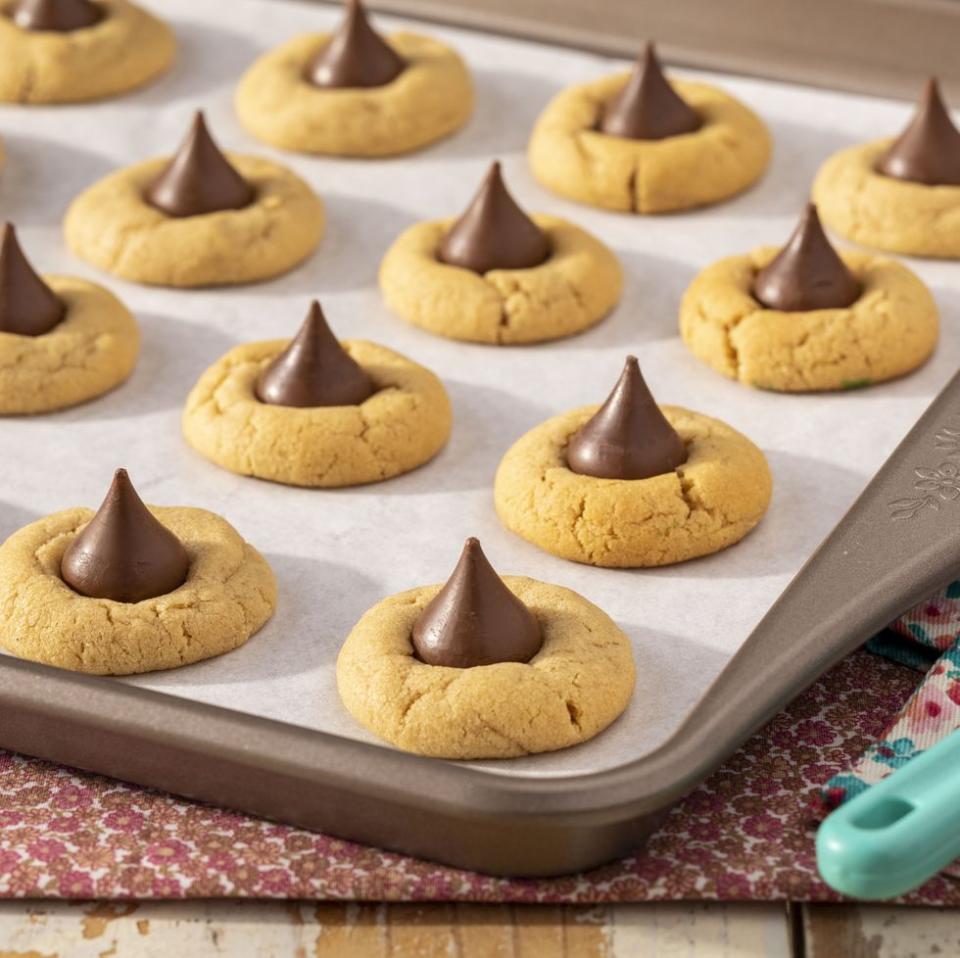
{"points": [[337, 553]]}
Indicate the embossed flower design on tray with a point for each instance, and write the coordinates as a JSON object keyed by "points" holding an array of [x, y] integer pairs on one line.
{"points": [[940, 484], [944, 481], [948, 442]]}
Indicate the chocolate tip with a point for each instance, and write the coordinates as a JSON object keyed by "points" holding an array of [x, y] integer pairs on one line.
{"points": [[315, 323], [472, 544], [120, 484], [810, 219], [356, 14], [632, 363]]}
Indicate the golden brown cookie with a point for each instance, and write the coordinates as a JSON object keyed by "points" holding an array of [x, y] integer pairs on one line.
{"points": [[127, 48], [572, 689], [571, 291], [889, 331], [431, 98], [92, 350], [569, 156], [230, 592], [405, 423], [708, 503], [885, 212], [113, 227]]}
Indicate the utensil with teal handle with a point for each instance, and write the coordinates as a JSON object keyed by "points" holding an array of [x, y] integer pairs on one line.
{"points": [[898, 833]]}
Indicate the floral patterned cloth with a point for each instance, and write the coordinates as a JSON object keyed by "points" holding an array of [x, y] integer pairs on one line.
{"points": [[745, 833], [925, 638]]}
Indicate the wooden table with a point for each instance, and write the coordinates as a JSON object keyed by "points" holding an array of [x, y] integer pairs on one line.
{"points": [[311, 930]]}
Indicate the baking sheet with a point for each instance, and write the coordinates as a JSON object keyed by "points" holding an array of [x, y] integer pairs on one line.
{"points": [[336, 553]]}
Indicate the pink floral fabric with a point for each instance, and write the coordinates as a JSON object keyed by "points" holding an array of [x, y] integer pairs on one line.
{"points": [[746, 833], [926, 638]]}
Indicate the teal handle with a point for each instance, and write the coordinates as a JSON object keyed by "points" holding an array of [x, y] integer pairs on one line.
{"points": [[891, 838]]}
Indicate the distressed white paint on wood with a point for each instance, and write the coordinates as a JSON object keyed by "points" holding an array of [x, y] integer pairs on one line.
{"points": [[161, 930], [299, 930], [876, 931], [681, 930], [251, 929]]}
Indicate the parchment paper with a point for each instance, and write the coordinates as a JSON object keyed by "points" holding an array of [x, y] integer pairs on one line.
{"points": [[336, 553]]}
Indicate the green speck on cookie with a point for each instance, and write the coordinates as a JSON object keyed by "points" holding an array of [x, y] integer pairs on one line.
{"points": [[856, 383]]}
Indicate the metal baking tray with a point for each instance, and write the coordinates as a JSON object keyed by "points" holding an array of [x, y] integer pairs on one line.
{"points": [[503, 818], [884, 47], [876, 564]]}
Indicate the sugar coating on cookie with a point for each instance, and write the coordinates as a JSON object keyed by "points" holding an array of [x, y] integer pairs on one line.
{"points": [[572, 290], [891, 214], [112, 226], [229, 593], [891, 329], [404, 424], [125, 49], [576, 685], [707, 503], [430, 99], [91, 351], [569, 155]]}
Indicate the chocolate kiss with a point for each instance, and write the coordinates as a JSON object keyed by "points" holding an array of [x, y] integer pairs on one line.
{"points": [[314, 370], [494, 233], [475, 619], [648, 108], [807, 273], [628, 437], [928, 150], [356, 56], [199, 179], [59, 15], [27, 305], [124, 553]]}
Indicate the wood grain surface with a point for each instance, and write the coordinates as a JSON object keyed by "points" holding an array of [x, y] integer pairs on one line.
{"points": [[327, 930]]}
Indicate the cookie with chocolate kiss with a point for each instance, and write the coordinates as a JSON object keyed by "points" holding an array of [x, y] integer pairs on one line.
{"points": [[356, 56], [124, 553], [28, 306], [314, 370], [475, 619], [199, 178], [807, 273], [648, 107], [60, 16], [628, 437], [494, 232], [928, 150]]}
